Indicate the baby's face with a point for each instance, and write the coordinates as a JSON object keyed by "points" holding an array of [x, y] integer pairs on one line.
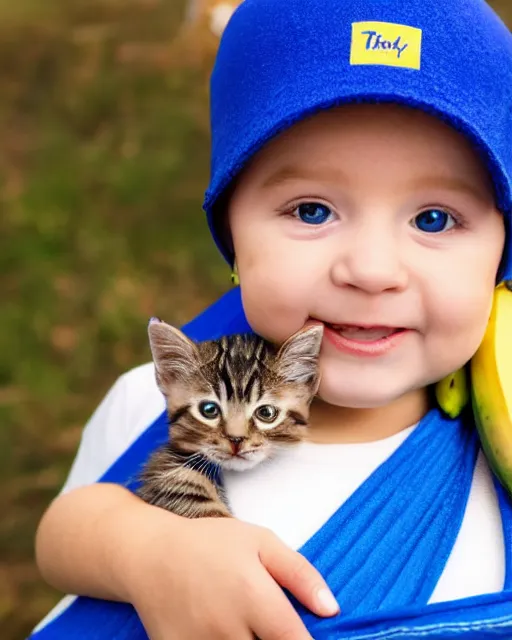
{"points": [[380, 222]]}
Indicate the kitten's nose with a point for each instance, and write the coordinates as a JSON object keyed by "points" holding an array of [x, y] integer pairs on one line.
{"points": [[235, 444]]}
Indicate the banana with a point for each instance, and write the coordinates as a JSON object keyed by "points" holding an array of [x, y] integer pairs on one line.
{"points": [[452, 393], [491, 387]]}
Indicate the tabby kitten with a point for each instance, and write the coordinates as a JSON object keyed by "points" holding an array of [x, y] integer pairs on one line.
{"points": [[232, 403]]}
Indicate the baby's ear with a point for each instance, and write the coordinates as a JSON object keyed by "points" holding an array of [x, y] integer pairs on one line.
{"points": [[175, 356], [297, 360]]}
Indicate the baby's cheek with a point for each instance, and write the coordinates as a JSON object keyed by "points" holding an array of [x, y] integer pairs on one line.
{"points": [[455, 330], [275, 306]]}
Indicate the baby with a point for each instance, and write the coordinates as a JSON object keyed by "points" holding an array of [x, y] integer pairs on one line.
{"points": [[361, 178]]}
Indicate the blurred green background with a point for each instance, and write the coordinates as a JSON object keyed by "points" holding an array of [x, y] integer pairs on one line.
{"points": [[103, 163]]}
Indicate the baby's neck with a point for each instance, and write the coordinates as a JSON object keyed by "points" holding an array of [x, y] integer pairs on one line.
{"points": [[330, 424]]}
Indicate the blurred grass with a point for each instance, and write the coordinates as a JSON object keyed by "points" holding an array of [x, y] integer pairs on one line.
{"points": [[103, 163]]}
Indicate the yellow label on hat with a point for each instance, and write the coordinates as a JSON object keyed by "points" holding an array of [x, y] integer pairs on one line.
{"points": [[394, 45]]}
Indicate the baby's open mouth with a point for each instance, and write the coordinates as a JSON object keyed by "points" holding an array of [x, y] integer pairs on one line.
{"points": [[364, 334]]}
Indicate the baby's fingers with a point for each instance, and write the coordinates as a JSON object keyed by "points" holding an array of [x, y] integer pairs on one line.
{"points": [[293, 572], [273, 617]]}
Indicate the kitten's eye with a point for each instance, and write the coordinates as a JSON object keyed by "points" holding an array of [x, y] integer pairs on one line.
{"points": [[209, 410], [266, 413]]}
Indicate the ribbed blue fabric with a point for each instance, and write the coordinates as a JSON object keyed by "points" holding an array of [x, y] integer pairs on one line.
{"points": [[382, 552], [279, 62]]}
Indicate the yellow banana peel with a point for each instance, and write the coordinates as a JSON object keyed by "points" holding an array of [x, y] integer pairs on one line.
{"points": [[452, 393], [491, 387]]}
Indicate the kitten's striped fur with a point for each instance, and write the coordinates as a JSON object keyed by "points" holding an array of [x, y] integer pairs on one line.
{"points": [[232, 403]]}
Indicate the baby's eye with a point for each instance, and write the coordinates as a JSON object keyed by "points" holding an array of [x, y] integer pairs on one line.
{"points": [[209, 410], [434, 221], [313, 212]]}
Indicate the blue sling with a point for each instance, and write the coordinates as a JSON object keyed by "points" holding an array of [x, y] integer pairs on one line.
{"points": [[382, 553]]}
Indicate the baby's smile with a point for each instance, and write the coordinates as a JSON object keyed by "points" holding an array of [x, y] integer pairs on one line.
{"points": [[364, 341], [362, 333]]}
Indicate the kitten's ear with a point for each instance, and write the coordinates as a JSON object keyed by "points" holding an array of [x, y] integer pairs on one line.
{"points": [[175, 356], [297, 360]]}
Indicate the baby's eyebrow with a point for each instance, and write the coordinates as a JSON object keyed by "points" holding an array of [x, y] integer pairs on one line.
{"points": [[289, 173], [450, 184]]}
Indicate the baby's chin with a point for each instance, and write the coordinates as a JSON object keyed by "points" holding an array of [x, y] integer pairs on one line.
{"points": [[360, 396]]}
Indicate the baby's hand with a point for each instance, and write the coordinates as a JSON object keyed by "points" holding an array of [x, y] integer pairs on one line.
{"points": [[218, 578]]}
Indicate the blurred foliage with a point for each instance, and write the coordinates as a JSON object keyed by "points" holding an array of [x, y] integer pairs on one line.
{"points": [[104, 161]]}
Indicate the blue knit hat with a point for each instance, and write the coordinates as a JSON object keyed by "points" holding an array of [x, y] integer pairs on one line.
{"points": [[282, 60]]}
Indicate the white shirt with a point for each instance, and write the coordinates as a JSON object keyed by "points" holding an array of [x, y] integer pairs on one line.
{"points": [[296, 493]]}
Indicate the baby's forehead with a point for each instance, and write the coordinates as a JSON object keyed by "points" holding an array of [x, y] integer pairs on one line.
{"points": [[366, 120], [363, 138]]}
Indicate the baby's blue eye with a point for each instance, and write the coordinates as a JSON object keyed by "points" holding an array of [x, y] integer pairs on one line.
{"points": [[434, 221], [313, 213]]}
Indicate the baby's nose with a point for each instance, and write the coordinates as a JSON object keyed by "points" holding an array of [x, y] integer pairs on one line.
{"points": [[374, 263]]}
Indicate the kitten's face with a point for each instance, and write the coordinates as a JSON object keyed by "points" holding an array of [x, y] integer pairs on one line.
{"points": [[236, 400]]}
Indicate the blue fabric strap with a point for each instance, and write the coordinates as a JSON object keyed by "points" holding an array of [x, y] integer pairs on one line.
{"points": [[388, 544], [381, 553]]}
